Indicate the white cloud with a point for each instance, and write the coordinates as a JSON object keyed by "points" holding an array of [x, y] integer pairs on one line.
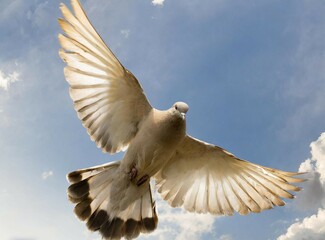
{"points": [[226, 237], [7, 79], [313, 195], [176, 223], [312, 227], [312, 198], [91, 235], [47, 174], [318, 153], [125, 32], [158, 2]]}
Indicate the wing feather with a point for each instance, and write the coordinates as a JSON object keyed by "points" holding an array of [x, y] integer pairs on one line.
{"points": [[201, 196], [224, 204], [249, 194], [206, 178], [240, 195], [236, 202], [214, 204], [190, 198], [107, 97]]}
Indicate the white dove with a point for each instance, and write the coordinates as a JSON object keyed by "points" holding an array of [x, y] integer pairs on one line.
{"points": [[115, 198]]}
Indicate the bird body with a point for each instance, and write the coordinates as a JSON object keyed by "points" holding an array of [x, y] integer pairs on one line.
{"points": [[160, 142], [115, 198]]}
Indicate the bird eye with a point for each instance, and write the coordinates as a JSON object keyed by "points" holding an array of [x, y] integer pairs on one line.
{"points": [[176, 107]]}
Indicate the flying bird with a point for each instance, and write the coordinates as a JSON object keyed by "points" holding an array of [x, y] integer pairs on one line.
{"points": [[115, 198]]}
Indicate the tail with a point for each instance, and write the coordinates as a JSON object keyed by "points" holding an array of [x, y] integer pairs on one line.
{"points": [[94, 189]]}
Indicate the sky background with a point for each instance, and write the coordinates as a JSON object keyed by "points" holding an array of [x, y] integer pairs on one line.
{"points": [[251, 71]]}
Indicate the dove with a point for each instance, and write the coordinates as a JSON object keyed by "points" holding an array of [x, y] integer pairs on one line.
{"points": [[115, 198]]}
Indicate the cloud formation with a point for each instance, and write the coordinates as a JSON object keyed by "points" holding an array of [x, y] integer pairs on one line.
{"points": [[39, 16], [125, 32], [226, 237], [7, 79], [313, 195], [307, 84], [158, 2], [312, 227], [176, 223], [312, 198], [47, 174]]}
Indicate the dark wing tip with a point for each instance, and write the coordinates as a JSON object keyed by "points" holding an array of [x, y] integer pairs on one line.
{"points": [[148, 225], [79, 189], [96, 220], [74, 177], [83, 209]]}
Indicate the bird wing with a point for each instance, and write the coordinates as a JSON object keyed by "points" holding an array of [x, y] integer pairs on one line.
{"points": [[204, 178], [109, 100]]}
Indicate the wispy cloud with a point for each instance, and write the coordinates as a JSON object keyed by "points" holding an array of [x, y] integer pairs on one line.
{"points": [[176, 223], [125, 32], [305, 90], [313, 198], [7, 79], [226, 237], [47, 174], [9, 9], [39, 16], [158, 2]]}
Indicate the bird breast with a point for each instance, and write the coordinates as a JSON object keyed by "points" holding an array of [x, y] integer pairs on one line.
{"points": [[166, 127], [155, 144]]}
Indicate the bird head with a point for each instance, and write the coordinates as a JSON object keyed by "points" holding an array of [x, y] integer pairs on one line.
{"points": [[181, 108]]}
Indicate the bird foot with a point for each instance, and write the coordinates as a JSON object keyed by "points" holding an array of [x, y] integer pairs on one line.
{"points": [[133, 172], [142, 180]]}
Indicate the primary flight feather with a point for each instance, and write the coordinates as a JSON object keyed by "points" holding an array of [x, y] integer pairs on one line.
{"points": [[115, 198]]}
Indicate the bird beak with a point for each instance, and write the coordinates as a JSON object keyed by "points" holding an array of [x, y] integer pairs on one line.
{"points": [[183, 115]]}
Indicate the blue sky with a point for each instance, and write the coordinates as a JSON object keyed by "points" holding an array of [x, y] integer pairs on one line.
{"points": [[251, 71]]}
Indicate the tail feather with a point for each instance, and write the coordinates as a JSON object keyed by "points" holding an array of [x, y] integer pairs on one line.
{"points": [[139, 217], [90, 190], [81, 174]]}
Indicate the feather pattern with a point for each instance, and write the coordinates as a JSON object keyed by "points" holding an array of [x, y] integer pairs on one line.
{"points": [[103, 91], [91, 191], [214, 180]]}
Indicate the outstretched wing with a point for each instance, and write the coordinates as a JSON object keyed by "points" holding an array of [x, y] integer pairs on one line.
{"points": [[205, 178], [108, 98]]}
